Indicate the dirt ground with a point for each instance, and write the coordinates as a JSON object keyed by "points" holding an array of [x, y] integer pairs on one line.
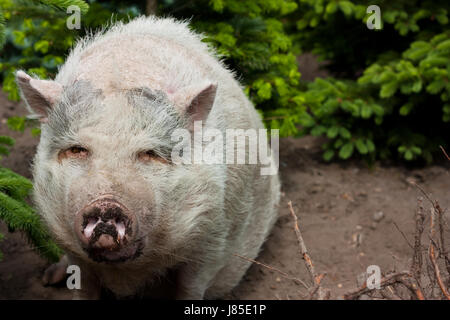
{"points": [[347, 214]]}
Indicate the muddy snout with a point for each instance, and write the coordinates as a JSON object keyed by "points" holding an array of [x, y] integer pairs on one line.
{"points": [[105, 224]]}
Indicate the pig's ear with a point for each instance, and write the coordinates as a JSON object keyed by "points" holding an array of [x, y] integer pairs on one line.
{"points": [[39, 95], [195, 101]]}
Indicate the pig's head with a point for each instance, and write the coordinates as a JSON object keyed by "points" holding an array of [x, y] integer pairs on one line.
{"points": [[104, 181]]}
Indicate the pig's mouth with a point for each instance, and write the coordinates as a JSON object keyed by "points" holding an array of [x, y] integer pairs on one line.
{"points": [[107, 230], [123, 254]]}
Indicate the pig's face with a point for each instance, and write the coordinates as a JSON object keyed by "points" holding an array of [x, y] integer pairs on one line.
{"points": [[103, 177]]}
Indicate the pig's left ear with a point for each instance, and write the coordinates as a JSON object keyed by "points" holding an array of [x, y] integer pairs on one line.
{"points": [[195, 101], [39, 95]]}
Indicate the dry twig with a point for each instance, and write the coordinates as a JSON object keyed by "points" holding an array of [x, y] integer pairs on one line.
{"points": [[316, 278], [416, 266], [432, 256]]}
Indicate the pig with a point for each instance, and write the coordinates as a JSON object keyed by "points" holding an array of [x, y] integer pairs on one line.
{"points": [[104, 181]]}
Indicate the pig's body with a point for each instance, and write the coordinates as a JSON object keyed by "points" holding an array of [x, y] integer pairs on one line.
{"points": [[190, 218]]}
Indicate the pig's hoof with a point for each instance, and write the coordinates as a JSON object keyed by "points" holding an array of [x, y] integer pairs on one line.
{"points": [[56, 273]]}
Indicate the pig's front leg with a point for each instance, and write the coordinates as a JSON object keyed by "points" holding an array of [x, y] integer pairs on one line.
{"points": [[193, 279], [56, 273], [191, 282]]}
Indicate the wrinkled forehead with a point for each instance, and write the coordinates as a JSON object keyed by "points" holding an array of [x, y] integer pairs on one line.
{"points": [[83, 108]]}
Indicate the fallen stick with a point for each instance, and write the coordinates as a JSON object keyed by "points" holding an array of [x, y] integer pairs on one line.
{"points": [[417, 262], [437, 272], [445, 153], [316, 278], [432, 256], [440, 214]]}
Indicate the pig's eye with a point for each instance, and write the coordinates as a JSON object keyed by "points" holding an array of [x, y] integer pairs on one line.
{"points": [[75, 152], [150, 155]]}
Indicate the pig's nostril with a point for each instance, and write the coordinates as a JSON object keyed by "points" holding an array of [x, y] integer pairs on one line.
{"points": [[90, 226], [120, 226]]}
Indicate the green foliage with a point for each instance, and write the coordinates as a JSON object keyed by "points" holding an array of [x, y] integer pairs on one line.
{"points": [[37, 38], [336, 109], [19, 216], [5, 142], [20, 123], [15, 212], [390, 88], [64, 4], [16, 123], [2, 29]]}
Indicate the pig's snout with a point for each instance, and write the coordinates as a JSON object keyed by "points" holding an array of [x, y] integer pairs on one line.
{"points": [[105, 225]]}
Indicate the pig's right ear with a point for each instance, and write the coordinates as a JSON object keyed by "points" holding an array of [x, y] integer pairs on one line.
{"points": [[195, 101], [39, 95]]}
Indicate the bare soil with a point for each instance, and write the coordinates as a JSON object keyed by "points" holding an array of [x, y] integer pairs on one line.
{"points": [[338, 206]]}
